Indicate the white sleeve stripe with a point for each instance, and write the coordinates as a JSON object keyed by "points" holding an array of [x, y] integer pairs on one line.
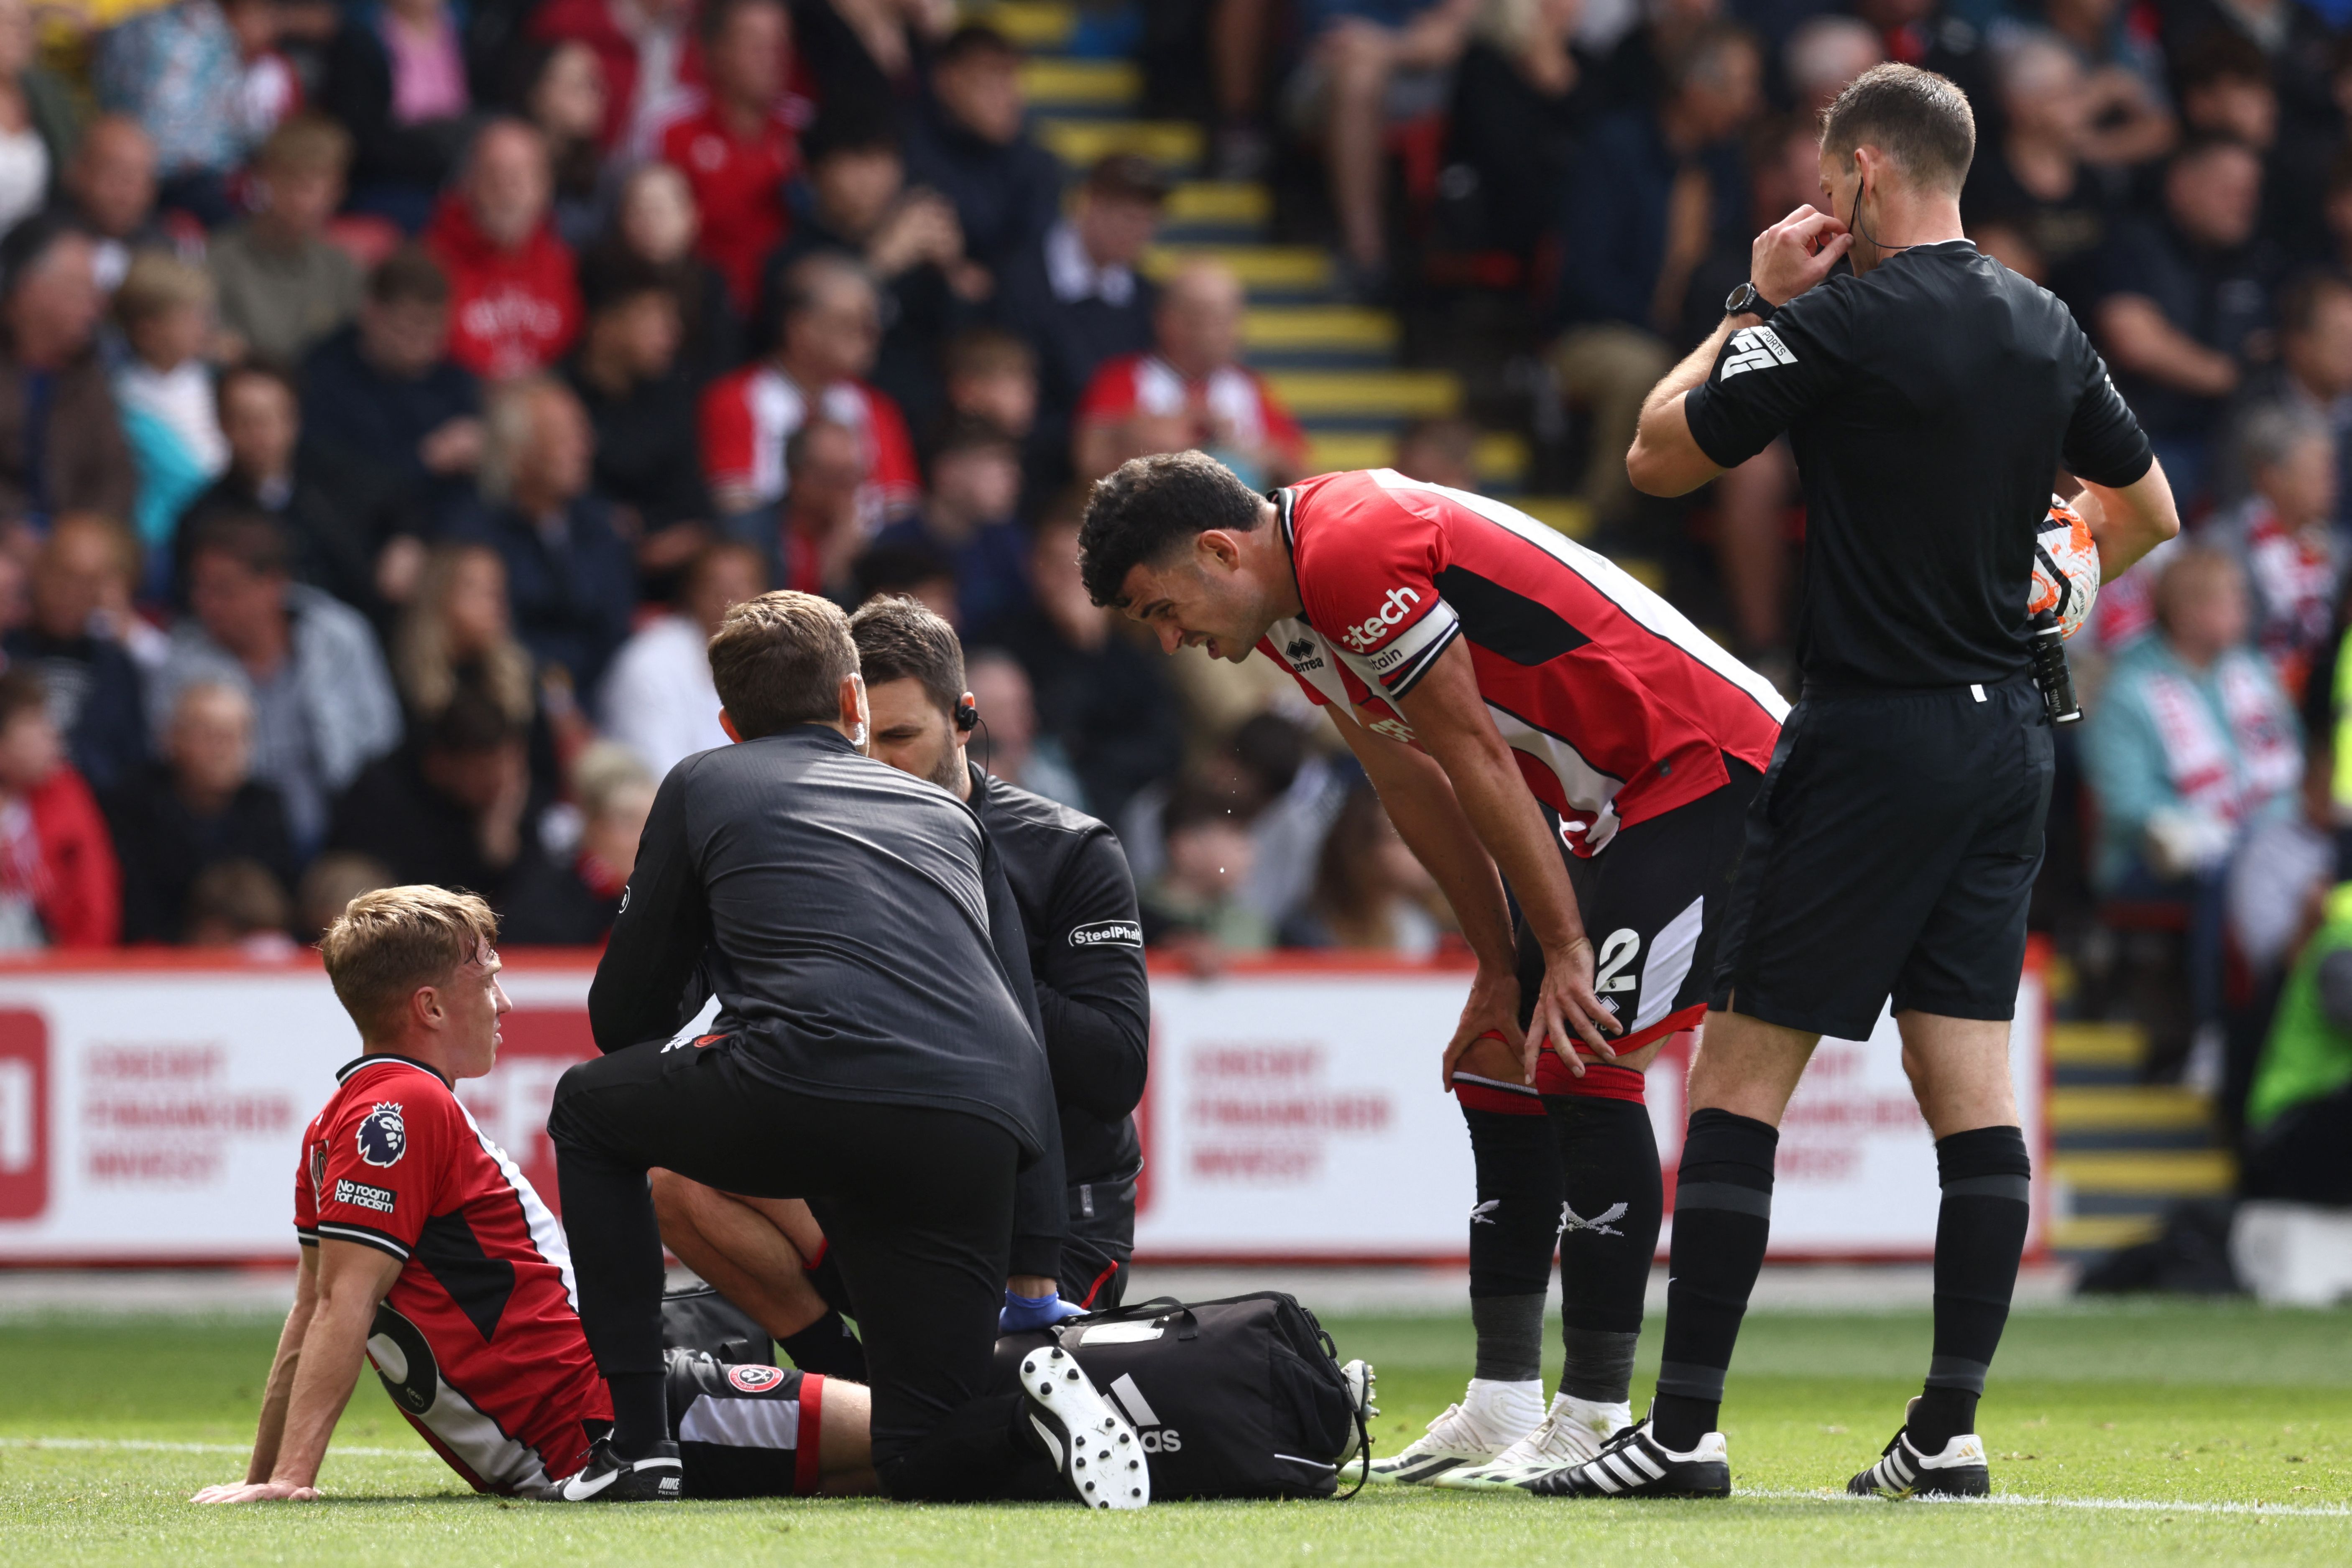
{"points": [[1405, 679], [375, 1238]]}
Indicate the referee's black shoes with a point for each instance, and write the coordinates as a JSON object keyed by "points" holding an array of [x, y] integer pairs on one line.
{"points": [[655, 1476], [1958, 1470], [1089, 1440], [1631, 1464]]}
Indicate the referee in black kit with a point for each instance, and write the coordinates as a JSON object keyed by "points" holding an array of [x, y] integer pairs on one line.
{"points": [[1931, 397]]}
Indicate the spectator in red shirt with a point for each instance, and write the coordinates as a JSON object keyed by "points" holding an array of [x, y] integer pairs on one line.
{"points": [[830, 329], [736, 142], [1192, 391], [514, 302], [59, 883]]}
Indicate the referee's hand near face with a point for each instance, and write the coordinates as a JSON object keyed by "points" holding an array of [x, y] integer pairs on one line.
{"points": [[1929, 397]]}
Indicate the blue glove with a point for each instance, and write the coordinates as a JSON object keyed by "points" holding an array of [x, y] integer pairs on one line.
{"points": [[1035, 1312]]}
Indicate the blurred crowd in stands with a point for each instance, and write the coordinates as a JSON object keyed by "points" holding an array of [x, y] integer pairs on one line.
{"points": [[394, 395]]}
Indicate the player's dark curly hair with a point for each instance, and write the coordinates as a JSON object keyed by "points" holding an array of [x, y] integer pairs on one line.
{"points": [[1147, 506]]}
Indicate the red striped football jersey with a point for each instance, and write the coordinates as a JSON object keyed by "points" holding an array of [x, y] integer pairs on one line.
{"points": [[479, 1341], [1618, 708]]}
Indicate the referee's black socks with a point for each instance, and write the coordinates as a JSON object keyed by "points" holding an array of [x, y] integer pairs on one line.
{"points": [[1979, 1236], [1723, 1216]]}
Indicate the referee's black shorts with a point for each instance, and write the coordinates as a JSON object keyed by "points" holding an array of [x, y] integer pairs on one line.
{"points": [[1892, 851]]}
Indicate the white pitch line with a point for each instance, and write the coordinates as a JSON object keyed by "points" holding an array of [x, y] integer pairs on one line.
{"points": [[2102, 1504], [138, 1445]]}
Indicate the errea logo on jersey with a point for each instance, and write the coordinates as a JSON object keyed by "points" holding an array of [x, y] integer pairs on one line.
{"points": [[1393, 613], [1759, 347]]}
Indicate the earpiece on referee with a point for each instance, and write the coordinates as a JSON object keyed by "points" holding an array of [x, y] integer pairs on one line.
{"points": [[966, 713]]}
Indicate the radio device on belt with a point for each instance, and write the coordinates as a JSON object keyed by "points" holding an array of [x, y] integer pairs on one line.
{"points": [[2050, 671]]}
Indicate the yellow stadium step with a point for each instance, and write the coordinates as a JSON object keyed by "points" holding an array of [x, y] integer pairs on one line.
{"points": [[2108, 1045], [1650, 574], [2104, 1232], [2168, 1173], [1304, 328], [1501, 459], [1090, 85], [1032, 24], [1226, 202], [1366, 394], [2128, 1108], [1570, 515], [1175, 144], [1281, 268]]}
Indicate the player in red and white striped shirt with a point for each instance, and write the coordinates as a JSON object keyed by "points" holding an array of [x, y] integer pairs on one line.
{"points": [[426, 1250], [1525, 708]]}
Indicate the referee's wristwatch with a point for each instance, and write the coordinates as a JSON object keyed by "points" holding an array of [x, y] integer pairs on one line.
{"points": [[1746, 301]]}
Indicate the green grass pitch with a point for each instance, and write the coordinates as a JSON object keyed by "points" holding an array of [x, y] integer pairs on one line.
{"points": [[2172, 1434]]}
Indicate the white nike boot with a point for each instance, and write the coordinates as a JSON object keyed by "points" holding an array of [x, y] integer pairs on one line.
{"points": [[1491, 1417]]}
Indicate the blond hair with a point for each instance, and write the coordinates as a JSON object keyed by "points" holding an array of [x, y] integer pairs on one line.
{"points": [[157, 282], [421, 657], [388, 943]]}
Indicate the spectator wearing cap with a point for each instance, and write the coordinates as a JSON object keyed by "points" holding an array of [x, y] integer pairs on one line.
{"points": [[736, 140], [628, 373], [970, 144], [967, 517], [46, 124], [1190, 390], [60, 885], [569, 575], [322, 701], [385, 391], [177, 71], [395, 75], [165, 389], [646, 48], [2184, 297], [62, 442], [656, 224], [107, 191], [514, 303], [828, 331], [1369, 63], [453, 807], [343, 521], [1077, 296], [197, 806], [571, 900], [2283, 536], [658, 700], [94, 693], [1662, 182], [854, 200], [282, 286]]}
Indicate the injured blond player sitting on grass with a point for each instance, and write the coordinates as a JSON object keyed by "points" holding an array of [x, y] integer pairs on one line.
{"points": [[427, 1252]]}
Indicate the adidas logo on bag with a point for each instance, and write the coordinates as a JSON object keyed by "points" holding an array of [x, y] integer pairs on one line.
{"points": [[1156, 1439]]}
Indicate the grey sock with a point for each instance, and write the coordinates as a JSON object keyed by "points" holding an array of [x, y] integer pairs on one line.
{"points": [[1510, 1337], [1599, 1365]]}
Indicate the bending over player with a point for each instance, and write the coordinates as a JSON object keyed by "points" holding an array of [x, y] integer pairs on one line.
{"points": [[1523, 707], [426, 1252]]}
